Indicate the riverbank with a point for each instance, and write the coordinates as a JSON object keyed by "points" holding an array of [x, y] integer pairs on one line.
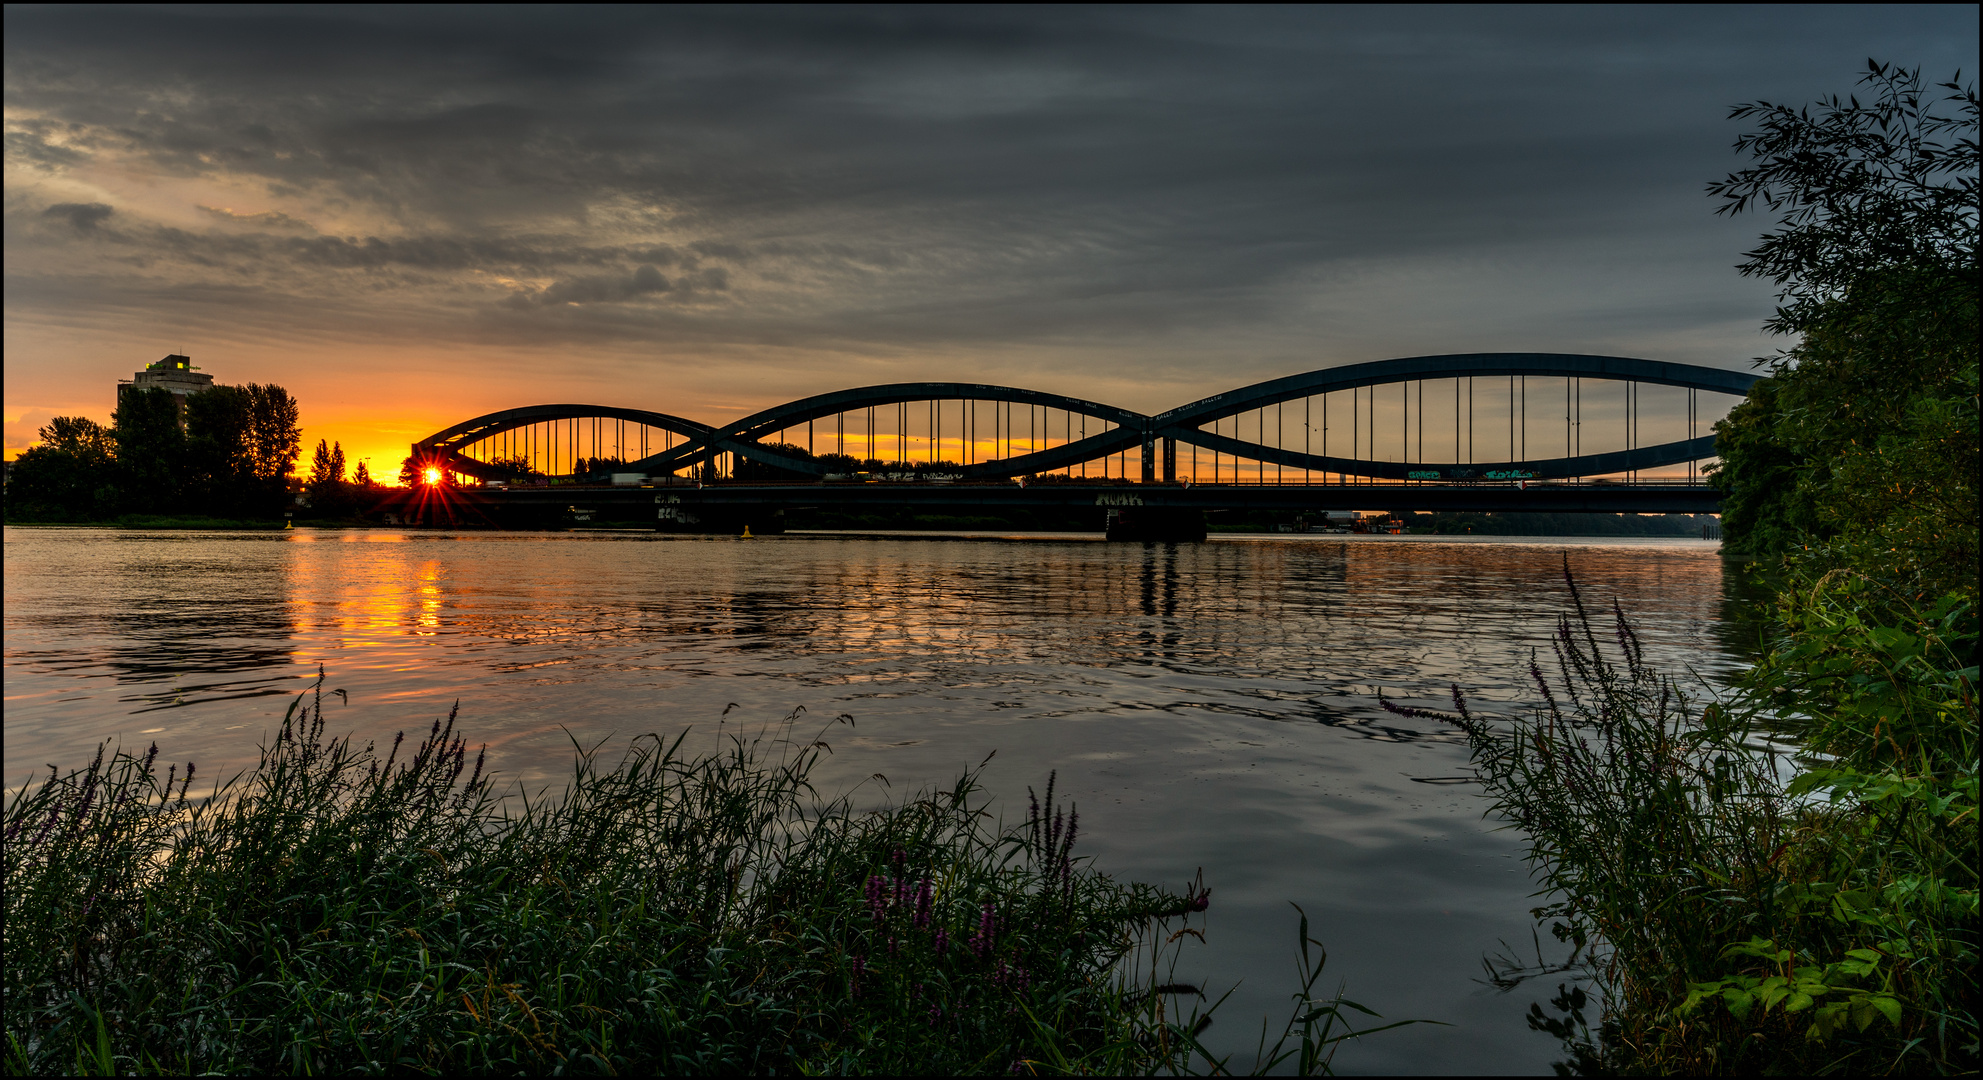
{"points": [[1777, 879], [163, 521]]}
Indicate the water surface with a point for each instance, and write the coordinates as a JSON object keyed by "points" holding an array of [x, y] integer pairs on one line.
{"points": [[1207, 705]]}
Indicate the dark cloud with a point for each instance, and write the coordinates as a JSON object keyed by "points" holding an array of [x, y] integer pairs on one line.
{"points": [[83, 217], [604, 288], [267, 219], [1271, 183]]}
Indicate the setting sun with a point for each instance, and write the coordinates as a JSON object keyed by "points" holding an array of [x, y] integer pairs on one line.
{"points": [[432, 476]]}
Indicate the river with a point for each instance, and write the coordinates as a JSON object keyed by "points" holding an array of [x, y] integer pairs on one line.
{"points": [[1206, 705]]}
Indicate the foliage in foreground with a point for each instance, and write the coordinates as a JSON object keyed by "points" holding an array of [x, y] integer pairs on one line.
{"points": [[333, 911], [1736, 917]]}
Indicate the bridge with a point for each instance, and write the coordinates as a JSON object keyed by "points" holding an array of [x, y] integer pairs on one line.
{"points": [[1476, 431]]}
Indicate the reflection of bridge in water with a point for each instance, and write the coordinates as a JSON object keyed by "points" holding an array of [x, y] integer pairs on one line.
{"points": [[1481, 431]]}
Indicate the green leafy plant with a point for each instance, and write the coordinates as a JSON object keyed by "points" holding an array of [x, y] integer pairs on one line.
{"points": [[1745, 902]]}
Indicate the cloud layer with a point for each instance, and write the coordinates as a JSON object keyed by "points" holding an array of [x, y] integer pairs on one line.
{"points": [[1160, 201]]}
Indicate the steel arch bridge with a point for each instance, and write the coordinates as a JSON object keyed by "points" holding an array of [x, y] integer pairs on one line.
{"points": [[970, 431]]}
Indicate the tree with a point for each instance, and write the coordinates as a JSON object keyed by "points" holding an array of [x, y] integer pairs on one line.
{"points": [[327, 489], [327, 466], [361, 477], [513, 469], [241, 444], [219, 473], [71, 476], [1861, 189], [275, 431], [1859, 449], [150, 449], [79, 435]]}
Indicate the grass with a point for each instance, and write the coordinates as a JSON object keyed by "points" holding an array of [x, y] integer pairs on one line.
{"points": [[1741, 906], [339, 909]]}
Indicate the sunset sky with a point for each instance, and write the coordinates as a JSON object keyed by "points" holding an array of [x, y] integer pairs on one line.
{"points": [[410, 216]]}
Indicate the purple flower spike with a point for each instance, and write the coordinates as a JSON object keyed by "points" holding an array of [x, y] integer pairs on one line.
{"points": [[54, 815], [89, 797], [877, 896], [986, 927], [1460, 705], [924, 898]]}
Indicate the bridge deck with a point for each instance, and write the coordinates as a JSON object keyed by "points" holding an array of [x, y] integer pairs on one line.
{"points": [[1499, 498]]}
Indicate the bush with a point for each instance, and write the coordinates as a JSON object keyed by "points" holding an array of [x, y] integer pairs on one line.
{"points": [[1735, 916]]}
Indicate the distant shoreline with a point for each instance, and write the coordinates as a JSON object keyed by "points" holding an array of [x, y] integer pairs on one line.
{"points": [[1072, 536]]}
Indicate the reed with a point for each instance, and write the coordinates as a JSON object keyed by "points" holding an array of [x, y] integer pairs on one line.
{"points": [[341, 909], [1779, 877]]}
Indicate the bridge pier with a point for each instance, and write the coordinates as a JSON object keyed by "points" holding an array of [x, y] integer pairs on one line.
{"points": [[1161, 523]]}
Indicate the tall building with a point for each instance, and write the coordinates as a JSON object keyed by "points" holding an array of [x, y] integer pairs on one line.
{"points": [[175, 373]]}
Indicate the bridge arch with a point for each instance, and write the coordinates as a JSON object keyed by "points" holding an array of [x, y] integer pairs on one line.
{"points": [[1184, 423], [447, 447], [1123, 430], [742, 436]]}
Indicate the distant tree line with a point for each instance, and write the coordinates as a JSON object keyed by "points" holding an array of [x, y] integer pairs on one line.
{"points": [[231, 458], [327, 494]]}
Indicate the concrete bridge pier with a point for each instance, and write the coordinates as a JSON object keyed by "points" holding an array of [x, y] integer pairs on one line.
{"points": [[1161, 523]]}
